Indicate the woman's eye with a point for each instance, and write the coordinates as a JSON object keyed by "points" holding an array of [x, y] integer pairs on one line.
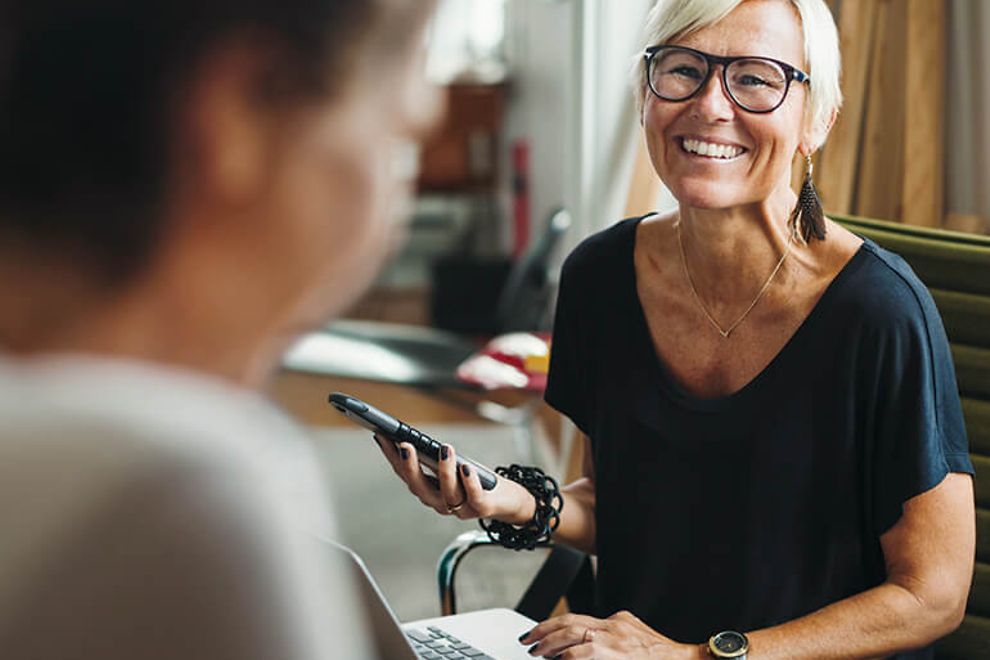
{"points": [[686, 72], [752, 81]]}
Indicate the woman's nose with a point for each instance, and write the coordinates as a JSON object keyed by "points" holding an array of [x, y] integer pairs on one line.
{"points": [[713, 103]]}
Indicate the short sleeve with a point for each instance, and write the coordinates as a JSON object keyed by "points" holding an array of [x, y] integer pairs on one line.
{"points": [[919, 435], [568, 385]]}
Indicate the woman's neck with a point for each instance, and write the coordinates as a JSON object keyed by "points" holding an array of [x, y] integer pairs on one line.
{"points": [[49, 306], [730, 252]]}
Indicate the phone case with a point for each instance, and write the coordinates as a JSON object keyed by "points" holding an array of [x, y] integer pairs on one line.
{"points": [[384, 424]]}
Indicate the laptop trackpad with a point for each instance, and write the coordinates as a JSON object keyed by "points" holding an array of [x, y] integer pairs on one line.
{"points": [[496, 632]]}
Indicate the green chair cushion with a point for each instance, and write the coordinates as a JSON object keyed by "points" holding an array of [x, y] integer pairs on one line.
{"points": [[970, 642]]}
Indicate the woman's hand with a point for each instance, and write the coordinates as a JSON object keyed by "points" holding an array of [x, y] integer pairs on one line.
{"points": [[622, 635], [462, 496]]}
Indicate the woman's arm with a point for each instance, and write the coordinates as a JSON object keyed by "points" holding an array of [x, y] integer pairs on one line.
{"points": [[929, 556], [508, 501], [577, 518]]}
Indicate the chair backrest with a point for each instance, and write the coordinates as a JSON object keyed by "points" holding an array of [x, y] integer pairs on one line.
{"points": [[524, 301], [956, 269]]}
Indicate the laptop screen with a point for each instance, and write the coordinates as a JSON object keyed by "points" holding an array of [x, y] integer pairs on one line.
{"points": [[390, 642]]}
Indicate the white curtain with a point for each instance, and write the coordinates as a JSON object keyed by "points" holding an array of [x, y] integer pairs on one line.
{"points": [[570, 62], [611, 133], [967, 152]]}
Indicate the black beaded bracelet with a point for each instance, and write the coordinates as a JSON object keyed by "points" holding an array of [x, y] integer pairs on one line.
{"points": [[545, 520]]}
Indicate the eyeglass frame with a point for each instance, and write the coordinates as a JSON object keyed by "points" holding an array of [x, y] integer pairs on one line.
{"points": [[791, 73]]}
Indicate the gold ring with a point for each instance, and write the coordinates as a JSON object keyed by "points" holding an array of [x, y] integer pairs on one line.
{"points": [[454, 509]]}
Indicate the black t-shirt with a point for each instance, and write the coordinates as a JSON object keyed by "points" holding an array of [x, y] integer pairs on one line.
{"points": [[750, 510]]}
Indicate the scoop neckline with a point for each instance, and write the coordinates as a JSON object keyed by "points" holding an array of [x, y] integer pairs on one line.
{"points": [[689, 400]]}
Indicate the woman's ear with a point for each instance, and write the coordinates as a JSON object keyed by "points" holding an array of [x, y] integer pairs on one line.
{"points": [[815, 133], [223, 132]]}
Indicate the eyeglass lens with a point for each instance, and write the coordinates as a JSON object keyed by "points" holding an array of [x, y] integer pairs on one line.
{"points": [[755, 84]]}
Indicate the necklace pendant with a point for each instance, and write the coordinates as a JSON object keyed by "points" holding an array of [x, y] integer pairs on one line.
{"points": [[694, 291]]}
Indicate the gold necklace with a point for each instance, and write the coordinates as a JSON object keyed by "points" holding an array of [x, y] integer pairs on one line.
{"points": [[766, 285]]}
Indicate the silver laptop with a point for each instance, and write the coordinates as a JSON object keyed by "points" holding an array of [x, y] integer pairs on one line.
{"points": [[483, 635]]}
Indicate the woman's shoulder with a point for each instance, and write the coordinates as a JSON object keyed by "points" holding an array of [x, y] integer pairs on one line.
{"points": [[886, 292]]}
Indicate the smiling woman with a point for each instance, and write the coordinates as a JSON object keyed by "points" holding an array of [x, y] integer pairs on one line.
{"points": [[776, 463]]}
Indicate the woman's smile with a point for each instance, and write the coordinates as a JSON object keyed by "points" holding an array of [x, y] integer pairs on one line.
{"points": [[709, 149]]}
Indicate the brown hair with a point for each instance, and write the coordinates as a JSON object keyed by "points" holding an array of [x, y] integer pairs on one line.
{"points": [[84, 88]]}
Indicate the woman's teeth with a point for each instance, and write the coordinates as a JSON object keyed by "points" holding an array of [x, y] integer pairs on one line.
{"points": [[711, 150]]}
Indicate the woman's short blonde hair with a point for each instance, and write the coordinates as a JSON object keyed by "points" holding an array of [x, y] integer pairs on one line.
{"points": [[673, 19]]}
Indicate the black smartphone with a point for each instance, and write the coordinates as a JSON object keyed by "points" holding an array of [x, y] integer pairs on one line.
{"points": [[389, 427]]}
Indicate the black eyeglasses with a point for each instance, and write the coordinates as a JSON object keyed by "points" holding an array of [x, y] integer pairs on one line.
{"points": [[755, 84]]}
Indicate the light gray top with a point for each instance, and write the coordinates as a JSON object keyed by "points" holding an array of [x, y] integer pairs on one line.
{"points": [[149, 513]]}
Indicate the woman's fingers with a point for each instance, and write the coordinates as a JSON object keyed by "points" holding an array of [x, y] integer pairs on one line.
{"points": [[399, 458], [454, 486], [576, 621], [479, 499], [389, 450], [557, 641], [418, 483], [450, 488]]}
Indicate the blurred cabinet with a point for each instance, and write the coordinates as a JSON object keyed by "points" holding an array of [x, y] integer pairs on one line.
{"points": [[463, 155]]}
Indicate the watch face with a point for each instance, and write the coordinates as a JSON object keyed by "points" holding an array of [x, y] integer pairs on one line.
{"points": [[730, 643]]}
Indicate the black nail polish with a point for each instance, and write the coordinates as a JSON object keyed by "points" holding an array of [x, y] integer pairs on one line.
{"points": [[557, 657], [377, 441], [466, 470], [524, 635], [404, 453], [532, 648], [444, 452]]}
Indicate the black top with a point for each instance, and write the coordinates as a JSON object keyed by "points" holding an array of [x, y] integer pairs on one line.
{"points": [[749, 510]]}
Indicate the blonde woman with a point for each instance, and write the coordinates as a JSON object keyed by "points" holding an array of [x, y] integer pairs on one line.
{"points": [[776, 459]]}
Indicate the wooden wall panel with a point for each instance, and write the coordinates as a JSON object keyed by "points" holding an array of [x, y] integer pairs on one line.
{"points": [[880, 179], [837, 167], [923, 197]]}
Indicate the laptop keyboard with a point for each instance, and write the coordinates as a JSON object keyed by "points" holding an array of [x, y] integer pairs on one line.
{"points": [[435, 644]]}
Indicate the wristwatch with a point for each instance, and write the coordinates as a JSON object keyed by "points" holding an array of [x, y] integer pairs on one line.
{"points": [[729, 644]]}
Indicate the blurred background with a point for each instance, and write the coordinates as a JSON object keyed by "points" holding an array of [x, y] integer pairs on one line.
{"points": [[541, 118]]}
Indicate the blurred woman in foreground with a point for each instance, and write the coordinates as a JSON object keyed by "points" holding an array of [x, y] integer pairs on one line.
{"points": [[184, 187]]}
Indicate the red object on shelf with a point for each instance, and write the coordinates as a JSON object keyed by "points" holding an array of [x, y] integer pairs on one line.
{"points": [[520, 197], [518, 360]]}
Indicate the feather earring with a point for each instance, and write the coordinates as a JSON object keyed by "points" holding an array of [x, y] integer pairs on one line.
{"points": [[808, 218]]}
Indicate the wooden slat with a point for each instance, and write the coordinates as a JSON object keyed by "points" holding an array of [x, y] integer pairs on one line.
{"points": [[977, 415], [972, 370], [922, 195], [881, 177], [972, 223], [836, 168], [966, 316], [970, 642]]}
